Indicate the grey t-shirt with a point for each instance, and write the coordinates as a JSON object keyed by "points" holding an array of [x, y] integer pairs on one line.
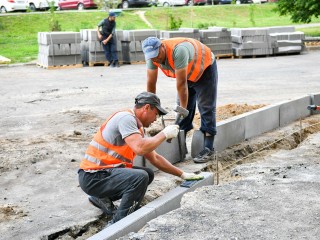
{"points": [[183, 54], [120, 126]]}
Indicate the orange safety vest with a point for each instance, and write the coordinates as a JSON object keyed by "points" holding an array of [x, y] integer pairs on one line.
{"points": [[101, 154], [201, 60]]}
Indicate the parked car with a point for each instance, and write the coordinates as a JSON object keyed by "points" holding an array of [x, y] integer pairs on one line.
{"points": [[216, 2], [76, 4], [260, 1], [13, 5], [41, 4], [130, 3], [167, 3], [195, 2]]}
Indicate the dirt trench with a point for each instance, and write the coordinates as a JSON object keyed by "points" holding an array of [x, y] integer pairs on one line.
{"points": [[251, 150]]}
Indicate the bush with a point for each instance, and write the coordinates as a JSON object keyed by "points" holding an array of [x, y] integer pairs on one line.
{"points": [[174, 23]]}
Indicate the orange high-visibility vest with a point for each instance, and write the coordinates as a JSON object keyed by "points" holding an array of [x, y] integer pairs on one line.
{"points": [[101, 154], [201, 60]]}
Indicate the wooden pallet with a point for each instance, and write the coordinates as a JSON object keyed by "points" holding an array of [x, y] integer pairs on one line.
{"points": [[60, 66], [218, 56], [133, 62], [93, 64], [253, 56]]}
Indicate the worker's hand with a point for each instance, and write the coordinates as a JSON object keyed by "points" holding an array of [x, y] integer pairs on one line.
{"points": [[171, 131], [191, 176], [105, 41]]}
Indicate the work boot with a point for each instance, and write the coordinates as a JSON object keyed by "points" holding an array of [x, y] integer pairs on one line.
{"points": [[116, 64], [105, 204], [110, 64], [204, 156]]}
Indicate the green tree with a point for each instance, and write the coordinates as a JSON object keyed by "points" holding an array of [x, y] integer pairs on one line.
{"points": [[300, 10]]}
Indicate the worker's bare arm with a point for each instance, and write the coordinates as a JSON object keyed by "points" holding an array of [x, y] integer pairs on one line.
{"points": [[162, 164], [142, 146], [152, 76], [182, 86]]}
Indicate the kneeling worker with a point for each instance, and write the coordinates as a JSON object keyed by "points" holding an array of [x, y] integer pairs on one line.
{"points": [[107, 173]]}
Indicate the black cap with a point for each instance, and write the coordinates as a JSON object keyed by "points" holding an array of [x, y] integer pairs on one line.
{"points": [[152, 99]]}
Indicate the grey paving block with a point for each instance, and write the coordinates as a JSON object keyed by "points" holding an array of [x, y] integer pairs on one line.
{"points": [[84, 34], [281, 29], [229, 132], [219, 46], [261, 120], [173, 34], [135, 221], [92, 35], [49, 38], [132, 223], [249, 31], [194, 30], [172, 199], [96, 57], [222, 52], [219, 29], [289, 49], [135, 46], [197, 143], [139, 161], [95, 46], [216, 40], [288, 43], [214, 33], [171, 151], [140, 35], [252, 52], [255, 38], [251, 45], [46, 61], [293, 110]]}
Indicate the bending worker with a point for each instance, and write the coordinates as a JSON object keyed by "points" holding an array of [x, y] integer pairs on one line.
{"points": [[195, 69], [107, 173]]}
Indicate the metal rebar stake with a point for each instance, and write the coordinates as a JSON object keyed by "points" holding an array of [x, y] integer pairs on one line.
{"points": [[217, 166], [300, 132]]}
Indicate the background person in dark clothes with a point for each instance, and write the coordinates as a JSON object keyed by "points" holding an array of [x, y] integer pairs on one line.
{"points": [[106, 34]]}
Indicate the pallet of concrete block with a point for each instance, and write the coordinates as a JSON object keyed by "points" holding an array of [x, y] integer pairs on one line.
{"points": [[131, 44], [218, 39], [59, 50], [286, 40], [92, 49], [251, 42], [177, 33], [195, 31]]}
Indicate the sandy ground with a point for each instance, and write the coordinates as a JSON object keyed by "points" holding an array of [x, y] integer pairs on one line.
{"points": [[49, 117]]}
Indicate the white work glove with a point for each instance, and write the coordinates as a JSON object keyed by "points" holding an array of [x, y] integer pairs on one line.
{"points": [[171, 131], [191, 176]]}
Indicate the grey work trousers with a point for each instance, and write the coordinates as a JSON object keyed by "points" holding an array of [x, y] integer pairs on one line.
{"points": [[127, 184]]}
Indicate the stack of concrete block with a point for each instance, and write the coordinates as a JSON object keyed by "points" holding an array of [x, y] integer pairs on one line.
{"points": [[286, 40], [92, 49], [59, 49], [132, 44], [182, 32], [218, 39], [251, 41]]}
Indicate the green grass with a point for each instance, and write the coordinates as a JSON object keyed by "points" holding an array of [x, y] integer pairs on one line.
{"points": [[18, 34]]}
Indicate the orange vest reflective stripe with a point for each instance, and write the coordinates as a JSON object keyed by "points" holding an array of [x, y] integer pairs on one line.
{"points": [[101, 154], [201, 60]]}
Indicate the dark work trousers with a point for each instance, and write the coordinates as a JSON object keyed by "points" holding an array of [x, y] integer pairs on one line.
{"points": [[110, 50], [127, 184], [204, 93]]}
